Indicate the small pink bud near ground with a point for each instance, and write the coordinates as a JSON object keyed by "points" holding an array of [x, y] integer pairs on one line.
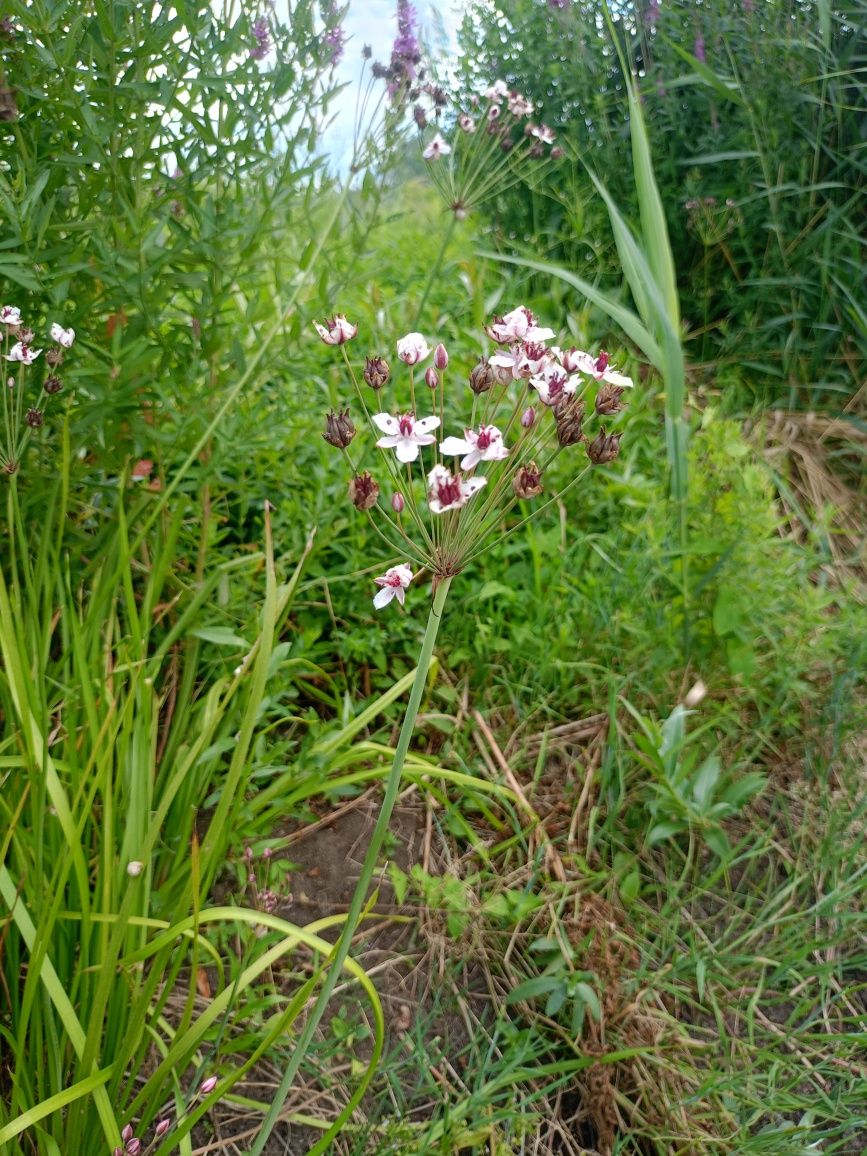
{"points": [[161, 1128], [208, 1085], [127, 1133], [133, 1147]]}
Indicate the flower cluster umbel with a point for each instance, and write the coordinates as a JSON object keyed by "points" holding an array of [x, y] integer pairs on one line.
{"points": [[488, 148], [20, 353], [440, 501]]}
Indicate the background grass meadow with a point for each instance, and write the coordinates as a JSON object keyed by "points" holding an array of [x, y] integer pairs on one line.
{"points": [[621, 909]]}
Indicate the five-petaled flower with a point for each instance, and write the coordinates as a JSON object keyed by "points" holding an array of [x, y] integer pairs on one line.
{"points": [[64, 337], [485, 446], [404, 433], [448, 492], [393, 584], [553, 384], [10, 315], [437, 148], [412, 349], [23, 353], [336, 330], [599, 368]]}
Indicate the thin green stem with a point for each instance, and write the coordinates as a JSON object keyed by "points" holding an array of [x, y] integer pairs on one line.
{"points": [[368, 869], [434, 270]]}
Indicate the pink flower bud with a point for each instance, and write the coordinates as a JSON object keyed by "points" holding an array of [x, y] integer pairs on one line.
{"points": [[127, 1133], [267, 853], [161, 1128], [397, 503], [441, 356], [117, 1152], [133, 1147], [528, 417], [208, 1085], [431, 378]]}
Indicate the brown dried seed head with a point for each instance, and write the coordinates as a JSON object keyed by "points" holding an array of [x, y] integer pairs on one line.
{"points": [[604, 447], [53, 384], [569, 415], [54, 357], [608, 399], [376, 372], [363, 491], [482, 376], [339, 430], [527, 482], [34, 418]]}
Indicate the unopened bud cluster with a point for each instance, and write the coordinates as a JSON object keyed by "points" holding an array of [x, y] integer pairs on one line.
{"points": [[439, 501], [20, 356]]}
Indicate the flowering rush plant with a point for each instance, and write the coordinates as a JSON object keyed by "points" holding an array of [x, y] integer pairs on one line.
{"points": [[439, 496], [489, 145], [20, 355]]}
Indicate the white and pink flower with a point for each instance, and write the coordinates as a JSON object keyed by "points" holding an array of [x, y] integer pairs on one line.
{"points": [[523, 359], [553, 383], [486, 445], [405, 434], [412, 349], [541, 132], [498, 91], [336, 330], [64, 337], [450, 492], [467, 124], [519, 105], [599, 368], [393, 584], [437, 148], [23, 353], [10, 315], [519, 325]]}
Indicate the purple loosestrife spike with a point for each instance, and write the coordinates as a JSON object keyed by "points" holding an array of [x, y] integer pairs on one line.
{"points": [[441, 357], [527, 482], [208, 1085], [604, 447], [431, 377], [363, 491], [339, 430], [376, 372]]}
